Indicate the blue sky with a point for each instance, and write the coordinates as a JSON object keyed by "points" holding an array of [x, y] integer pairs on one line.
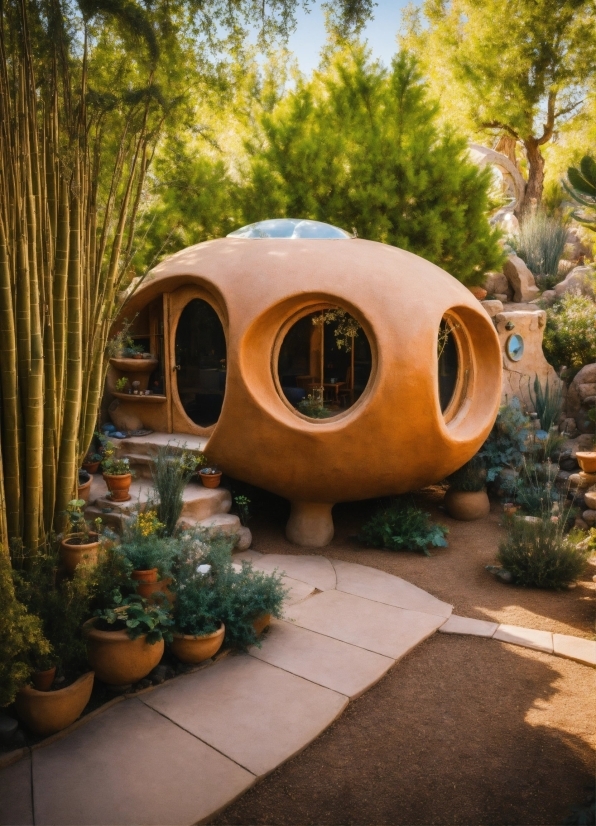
{"points": [[309, 37]]}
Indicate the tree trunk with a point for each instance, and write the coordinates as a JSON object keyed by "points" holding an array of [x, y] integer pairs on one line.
{"points": [[533, 195]]}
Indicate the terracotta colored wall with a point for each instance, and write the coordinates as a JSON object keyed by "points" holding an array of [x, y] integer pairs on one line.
{"points": [[395, 438]]}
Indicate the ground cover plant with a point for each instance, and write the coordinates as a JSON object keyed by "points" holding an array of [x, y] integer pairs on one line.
{"points": [[540, 244], [507, 442], [570, 333], [401, 525]]}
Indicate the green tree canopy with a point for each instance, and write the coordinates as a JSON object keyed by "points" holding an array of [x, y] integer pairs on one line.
{"points": [[360, 147]]}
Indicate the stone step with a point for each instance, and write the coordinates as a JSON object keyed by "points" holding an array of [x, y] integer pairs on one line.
{"points": [[224, 522], [141, 464], [149, 445]]}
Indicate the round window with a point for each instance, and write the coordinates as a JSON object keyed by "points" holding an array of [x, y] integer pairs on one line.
{"points": [[515, 347], [324, 363], [448, 358]]}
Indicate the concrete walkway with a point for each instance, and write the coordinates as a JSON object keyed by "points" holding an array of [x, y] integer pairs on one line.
{"points": [[180, 752]]}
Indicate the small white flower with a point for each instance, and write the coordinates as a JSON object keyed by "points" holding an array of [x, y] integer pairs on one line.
{"points": [[204, 569]]}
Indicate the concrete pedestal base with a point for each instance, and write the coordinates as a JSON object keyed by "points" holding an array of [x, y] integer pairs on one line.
{"points": [[310, 524]]}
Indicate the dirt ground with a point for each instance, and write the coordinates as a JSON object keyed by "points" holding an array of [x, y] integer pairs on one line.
{"points": [[463, 730]]}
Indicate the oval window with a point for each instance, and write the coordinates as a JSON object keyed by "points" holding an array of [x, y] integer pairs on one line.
{"points": [[448, 358], [324, 363], [515, 347], [201, 362]]}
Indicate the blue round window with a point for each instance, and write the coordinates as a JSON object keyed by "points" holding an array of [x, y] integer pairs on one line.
{"points": [[515, 347]]}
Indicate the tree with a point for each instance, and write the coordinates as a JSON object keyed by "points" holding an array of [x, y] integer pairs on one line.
{"points": [[360, 147], [511, 68], [85, 95]]}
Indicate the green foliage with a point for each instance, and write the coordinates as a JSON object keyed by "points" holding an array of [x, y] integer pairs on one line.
{"points": [[233, 597], [582, 188], [360, 147], [506, 444], [111, 573], [403, 526], [535, 494], [61, 604], [540, 243], [547, 401], [112, 464], [146, 552], [136, 616], [313, 408], [539, 554], [172, 472], [22, 641], [243, 505], [469, 477], [570, 334]]}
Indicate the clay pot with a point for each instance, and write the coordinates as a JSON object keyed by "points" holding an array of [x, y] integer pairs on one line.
{"points": [[91, 467], [478, 292], [147, 582], [72, 553], [116, 659], [467, 505], [84, 490], [189, 649], [210, 480], [118, 485], [587, 460], [46, 712], [261, 622], [42, 680], [510, 509]]}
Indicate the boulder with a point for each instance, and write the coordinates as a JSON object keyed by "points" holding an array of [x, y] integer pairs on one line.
{"points": [[589, 517], [580, 280], [520, 278], [495, 283], [548, 297], [580, 398], [493, 307], [578, 243]]}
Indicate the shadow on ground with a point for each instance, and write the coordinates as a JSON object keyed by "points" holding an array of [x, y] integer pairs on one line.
{"points": [[462, 731]]}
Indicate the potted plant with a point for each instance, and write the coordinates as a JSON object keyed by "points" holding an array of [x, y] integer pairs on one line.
{"points": [[125, 641], [62, 683], [467, 498], [79, 544], [210, 477], [117, 474], [149, 555], [91, 462], [198, 631]]}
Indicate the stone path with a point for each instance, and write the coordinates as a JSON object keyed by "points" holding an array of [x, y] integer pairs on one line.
{"points": [[181, 752]]}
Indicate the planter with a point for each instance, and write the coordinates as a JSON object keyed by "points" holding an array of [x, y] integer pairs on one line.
{"points": [[260, 623], [141, 367], [46, 712], [118, 485], [467, 505], [91, 467], [84, 486], [189, 649], [147, 583], [72, 552], [509, 509], [587, 460], [42, 680], [116, 659], [210, 480], [478, 292]]}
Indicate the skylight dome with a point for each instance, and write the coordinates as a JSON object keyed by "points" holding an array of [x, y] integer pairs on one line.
{"points": [[290, 228]]}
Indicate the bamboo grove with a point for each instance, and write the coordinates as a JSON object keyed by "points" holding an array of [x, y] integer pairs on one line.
{"points": [[66, 236]]}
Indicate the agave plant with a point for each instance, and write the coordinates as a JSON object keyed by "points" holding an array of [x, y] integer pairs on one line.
{"points": [[581, 186]]}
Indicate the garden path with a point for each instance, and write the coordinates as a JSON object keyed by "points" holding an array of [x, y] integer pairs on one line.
{"points": [[183, 751]]}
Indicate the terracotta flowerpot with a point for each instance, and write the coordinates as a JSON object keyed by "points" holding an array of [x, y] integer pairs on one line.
{"points": [[72, 553], [467, 505], [84, 490], [189, 649], [46, 712], [147, 583], [91, 467], [210, 480], [587, 460], [116, 659], [118, 485], [261, 622], [42, 680], [510, 509]]}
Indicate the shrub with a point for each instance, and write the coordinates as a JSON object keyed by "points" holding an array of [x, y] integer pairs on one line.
{"points": [[403, 526], [237, 597], [144, 549], [173, 471], [540, 243], [469, 477], [136, 616], [21, 637], [539, 554], [570, 334], [535, 496], [506, 444]]}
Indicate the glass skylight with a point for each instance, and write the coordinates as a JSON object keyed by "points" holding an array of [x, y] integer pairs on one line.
{"points": [[290, 228]]}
